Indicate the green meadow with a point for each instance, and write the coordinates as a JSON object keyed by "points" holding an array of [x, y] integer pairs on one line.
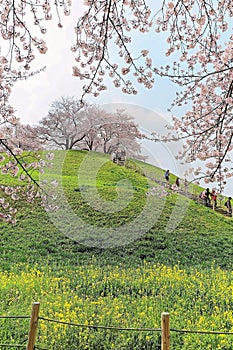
{"points": [[113, 254]]}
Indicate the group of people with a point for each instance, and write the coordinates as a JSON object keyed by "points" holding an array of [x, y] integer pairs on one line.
{"points": [[209, 198], [167, 178], [177, 182]]}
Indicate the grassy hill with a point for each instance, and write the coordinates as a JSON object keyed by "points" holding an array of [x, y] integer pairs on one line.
{"points": [[110, 274], [202, 237]]}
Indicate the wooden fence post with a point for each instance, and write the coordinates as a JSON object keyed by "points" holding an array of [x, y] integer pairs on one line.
{"points": [[165, 328], [33, 326]]}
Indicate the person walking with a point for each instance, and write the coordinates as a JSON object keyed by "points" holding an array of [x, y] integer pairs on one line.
{"points": [[205, 195], [214, 199], [229, 207], [178, 182], [167, 176]]}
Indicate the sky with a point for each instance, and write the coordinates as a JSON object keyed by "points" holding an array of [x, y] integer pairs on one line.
{"points": [[32, 98]]}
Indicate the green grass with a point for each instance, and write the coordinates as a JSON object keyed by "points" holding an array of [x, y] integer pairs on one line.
{"points": [[201, 238]]}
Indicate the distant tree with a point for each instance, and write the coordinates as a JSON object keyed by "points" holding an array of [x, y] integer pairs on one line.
{"points": [[24, 137], [106, 132], [63, 127], [70, 125], [93, 116], [118, 130]]}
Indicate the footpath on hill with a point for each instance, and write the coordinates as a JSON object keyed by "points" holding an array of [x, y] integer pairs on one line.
{"points": [[185, 191], [218, 208]]}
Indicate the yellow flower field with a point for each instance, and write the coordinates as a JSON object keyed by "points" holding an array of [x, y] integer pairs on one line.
{"points": [[122, 298]]}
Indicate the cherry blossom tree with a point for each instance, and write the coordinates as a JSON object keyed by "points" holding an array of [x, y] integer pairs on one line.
{"points": [[63, 127], [112, 131], [16, 164], [119, 131], [93, 117], [201, 32], [23, 137]]}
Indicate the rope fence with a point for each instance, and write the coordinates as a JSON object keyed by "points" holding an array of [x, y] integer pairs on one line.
{"points": [[101, 327], [15, 317], [165, 329]]}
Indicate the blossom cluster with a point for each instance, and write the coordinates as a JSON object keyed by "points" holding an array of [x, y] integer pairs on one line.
{"points": [[103, 23], [25, 185], [20, 41]]}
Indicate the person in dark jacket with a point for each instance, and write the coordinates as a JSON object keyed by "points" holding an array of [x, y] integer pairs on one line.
{"points": [[205, 195], [167, 176], [228, 205], [178, 182]]}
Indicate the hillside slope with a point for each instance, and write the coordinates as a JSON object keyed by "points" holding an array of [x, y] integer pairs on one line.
{"points": [[180, 231]]}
